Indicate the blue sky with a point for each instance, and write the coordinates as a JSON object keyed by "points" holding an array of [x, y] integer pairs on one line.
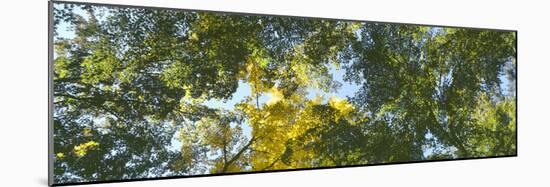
{"points": [[346, 90]]}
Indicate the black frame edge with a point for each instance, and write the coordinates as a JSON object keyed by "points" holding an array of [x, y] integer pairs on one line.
{"points": [[50, 93], [279, 171], [262, 14]]}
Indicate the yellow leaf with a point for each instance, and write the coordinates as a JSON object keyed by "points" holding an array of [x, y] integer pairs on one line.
{"points": [[82, 149], [59, 155]]}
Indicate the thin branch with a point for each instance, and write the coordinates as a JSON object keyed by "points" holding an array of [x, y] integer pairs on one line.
{"points": [[234, 158], [272, 163]]}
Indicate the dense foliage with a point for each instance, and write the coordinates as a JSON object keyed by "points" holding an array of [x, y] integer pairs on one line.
{"points": [[131, 89]]}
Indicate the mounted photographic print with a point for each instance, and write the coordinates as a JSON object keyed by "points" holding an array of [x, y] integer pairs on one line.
{"points": [[141, 93]]}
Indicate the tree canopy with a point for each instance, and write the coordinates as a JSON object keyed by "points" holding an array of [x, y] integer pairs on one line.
{"points": [[132, 89]]}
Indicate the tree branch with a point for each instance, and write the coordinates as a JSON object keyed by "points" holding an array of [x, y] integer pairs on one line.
{"points": [[234, 158]]}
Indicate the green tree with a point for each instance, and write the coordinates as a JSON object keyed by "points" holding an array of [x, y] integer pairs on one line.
{"points": [[422, 80]]}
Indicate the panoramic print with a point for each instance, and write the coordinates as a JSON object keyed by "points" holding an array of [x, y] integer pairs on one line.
{"points": [[142, 93]]}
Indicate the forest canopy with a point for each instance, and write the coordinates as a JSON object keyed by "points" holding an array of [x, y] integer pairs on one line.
{"points": [[146, 93]]}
